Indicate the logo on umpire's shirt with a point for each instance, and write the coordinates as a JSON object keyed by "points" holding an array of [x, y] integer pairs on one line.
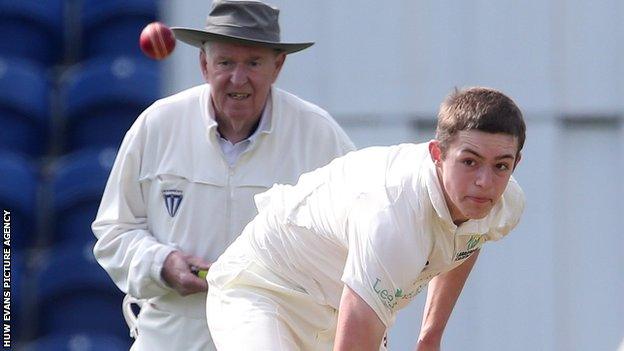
{"points": [[173, 199]]}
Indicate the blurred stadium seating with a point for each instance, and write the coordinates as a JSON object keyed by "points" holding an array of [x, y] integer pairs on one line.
{"points": [[111, 28], [24, 107], [73, 80], [18, 194], [74, 295], [77, 184], [77, 342], [101, 98], [17, 290], [32, 30]]}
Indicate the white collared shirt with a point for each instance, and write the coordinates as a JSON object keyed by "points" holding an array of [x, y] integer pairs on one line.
{"points": [[232, 152], [376, 220], [172, 188]]}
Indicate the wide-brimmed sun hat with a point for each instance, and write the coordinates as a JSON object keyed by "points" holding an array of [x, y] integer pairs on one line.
{"points": [[251, 23]]}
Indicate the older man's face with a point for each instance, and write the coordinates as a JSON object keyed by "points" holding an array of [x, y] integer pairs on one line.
{"points": [[240, 78]]}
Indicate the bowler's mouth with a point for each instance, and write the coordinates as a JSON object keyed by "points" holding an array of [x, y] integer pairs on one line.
{"points": [[479, 200]]}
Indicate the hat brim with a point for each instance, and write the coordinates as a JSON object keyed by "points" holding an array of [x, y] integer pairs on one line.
{"points": [[197, 38]]}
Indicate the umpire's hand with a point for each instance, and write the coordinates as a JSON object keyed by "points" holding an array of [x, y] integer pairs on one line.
{"points": [[176, 272]]}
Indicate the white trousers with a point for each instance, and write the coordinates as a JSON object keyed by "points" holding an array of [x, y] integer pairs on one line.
{"points": [[161, 330], [249, 307], [256, 312]]}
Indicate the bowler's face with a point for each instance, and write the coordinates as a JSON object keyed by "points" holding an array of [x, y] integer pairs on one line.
{"points": [[240, 78], [475, 171]]}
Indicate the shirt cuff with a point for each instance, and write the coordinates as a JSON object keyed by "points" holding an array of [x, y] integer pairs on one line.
{"points": [[159, 260]]}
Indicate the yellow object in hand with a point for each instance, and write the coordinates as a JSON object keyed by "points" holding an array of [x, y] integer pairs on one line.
{"points": [[201, 273]]}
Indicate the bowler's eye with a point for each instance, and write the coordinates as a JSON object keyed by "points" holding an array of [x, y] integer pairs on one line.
{"points": [[254, 63], [469, 162], [503, 167]]}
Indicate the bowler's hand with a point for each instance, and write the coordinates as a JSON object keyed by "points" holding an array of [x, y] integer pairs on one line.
{"points": [[176, 272]]}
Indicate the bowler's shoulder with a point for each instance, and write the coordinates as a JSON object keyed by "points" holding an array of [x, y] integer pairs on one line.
{"points": [[514, 195], [508, 212], [409, 154]]}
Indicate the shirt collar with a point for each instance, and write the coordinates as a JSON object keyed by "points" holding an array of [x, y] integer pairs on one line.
{"points": [[264, 126], [265, 120], [436, 196]]}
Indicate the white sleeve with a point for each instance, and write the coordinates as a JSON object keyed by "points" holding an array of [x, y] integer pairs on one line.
{"points": [[125, 248], [383, 260]]}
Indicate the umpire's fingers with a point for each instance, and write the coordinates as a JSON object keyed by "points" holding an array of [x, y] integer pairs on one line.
{"points": [[198, 262], [191, 284]]}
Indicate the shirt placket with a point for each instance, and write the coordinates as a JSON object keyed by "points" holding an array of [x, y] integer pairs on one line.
{"points": [[230, 198]]}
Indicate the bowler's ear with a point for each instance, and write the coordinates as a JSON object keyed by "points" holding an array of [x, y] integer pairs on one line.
{"points": [[435, 152]]}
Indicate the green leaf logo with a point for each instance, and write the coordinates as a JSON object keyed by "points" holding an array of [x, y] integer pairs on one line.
{"points": [[473, 241]]}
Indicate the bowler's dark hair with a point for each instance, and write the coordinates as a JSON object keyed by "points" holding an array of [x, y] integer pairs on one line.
{"points": [[479, 108]]}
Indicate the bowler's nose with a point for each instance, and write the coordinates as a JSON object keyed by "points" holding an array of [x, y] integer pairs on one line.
{"points": [[484, 177]]}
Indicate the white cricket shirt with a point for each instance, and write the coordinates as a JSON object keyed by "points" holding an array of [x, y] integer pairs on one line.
{"points": [[375, 220], [171, 187], [232, 152]]}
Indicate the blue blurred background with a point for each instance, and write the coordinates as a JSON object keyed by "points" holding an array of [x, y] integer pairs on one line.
{"points": [[72, 80]]}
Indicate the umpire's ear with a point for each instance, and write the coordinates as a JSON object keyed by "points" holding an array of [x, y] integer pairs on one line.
{"points": [[202, 64], [435, 152]]}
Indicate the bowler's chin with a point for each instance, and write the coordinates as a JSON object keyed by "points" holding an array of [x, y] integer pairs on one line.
{"points": [[478, 214]]}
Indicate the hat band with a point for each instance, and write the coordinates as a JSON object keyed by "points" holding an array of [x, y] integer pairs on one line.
{"points": [[248, 33]]}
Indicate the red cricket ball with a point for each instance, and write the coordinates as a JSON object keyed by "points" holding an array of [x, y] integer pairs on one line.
{"points": [[157, 41]]}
